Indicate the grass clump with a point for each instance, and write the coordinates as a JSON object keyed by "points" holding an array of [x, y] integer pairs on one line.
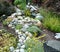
{"points": [[51, 20]]}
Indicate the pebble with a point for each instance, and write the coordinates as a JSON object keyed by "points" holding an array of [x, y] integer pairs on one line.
{"points": [[39, 17], [16, 31], [13, 27], [19, 33], [26, 32], [57, 36], [18, 45], [24, 35], [23, 29], [20, 17], [30, 35], [10, 25], [27, 38], [23, 38], [38, 23], [22, 50], [20, 40], [25, 26], [12, 49], [23, 46], [17, 50], [19, 13]]}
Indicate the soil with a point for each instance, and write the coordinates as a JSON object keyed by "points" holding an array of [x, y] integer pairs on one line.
{"points": [[7, 28], [49, 35]]}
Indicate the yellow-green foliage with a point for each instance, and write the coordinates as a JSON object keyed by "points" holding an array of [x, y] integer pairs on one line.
{"points": [[6, 40], [7, 21], [27, 12], [51, 21], [34, 45]]}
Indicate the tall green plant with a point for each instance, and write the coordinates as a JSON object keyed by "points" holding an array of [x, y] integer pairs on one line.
{"points": [[51, 20]]}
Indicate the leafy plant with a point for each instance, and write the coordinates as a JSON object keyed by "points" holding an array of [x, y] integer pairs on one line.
{"points": [[27, 12], [7, 40], [7, 21], [51, 21], [21, 3], [33, 46], [4, 23], [18, 26], [33, 29]]}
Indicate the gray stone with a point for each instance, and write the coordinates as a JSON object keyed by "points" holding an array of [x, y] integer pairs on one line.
{"points": [[11, 48], [54, 44], [17, 50], [39, 17], [18, 45], [22, 50], [16, 31], [10, 25], [20, 40], [25, 26], [57, 36], [23, 46], [23, 29], [24, 35], [28, 38], [23, 38], [17, 10], [20, 17]]}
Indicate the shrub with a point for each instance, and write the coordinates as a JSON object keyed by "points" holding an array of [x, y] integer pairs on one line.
{"points": [[33, 45], [21, 3], [7, 21], [33, 29], [7, 40], [51, 21], [27, 12], [18, 26], [6, 8]]}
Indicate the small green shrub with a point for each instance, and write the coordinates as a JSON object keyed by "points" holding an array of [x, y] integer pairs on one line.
{"points": [[51, 20], [18, 26], [4, 22], [6, 40], [7, 21], [33, 45], [21, 3], [27, 12], [33, 29]]}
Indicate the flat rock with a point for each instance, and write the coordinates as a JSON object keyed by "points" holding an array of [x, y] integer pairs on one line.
{"points": [[54, 44]]}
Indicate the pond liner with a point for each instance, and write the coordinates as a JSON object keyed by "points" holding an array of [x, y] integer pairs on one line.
{"points": [[49, 49]]}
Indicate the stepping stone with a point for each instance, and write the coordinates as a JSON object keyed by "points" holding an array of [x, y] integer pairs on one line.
{"points": [[52, 46]]}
